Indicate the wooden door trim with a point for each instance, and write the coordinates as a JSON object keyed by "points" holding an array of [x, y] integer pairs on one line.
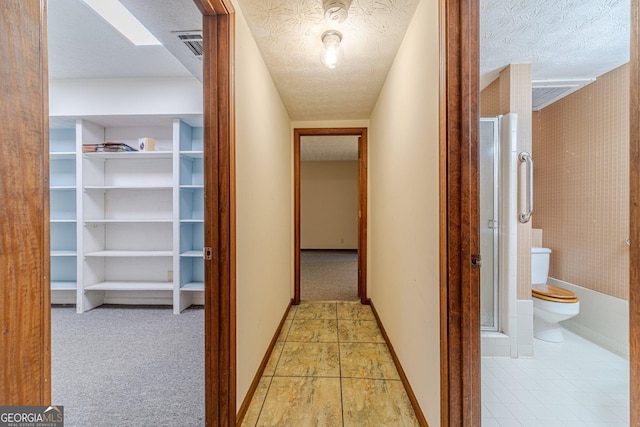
{"points": [[634, 217], [362, 203], [459, 283], [25, 307], [219, 225]]}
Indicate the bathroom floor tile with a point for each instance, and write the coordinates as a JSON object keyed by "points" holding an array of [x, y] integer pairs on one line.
{"points": [[354, 311], [572, 383], [359, 331], [316, 310], [302, 401], [367, 360], [376, 403], [301, 359], [313, 331], [251, 417]]}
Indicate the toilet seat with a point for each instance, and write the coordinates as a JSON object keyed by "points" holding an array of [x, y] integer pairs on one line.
{"points": [[553, 293]]}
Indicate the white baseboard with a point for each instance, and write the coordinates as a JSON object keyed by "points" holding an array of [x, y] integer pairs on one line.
{"points": [[494, 344], [603, 319]]}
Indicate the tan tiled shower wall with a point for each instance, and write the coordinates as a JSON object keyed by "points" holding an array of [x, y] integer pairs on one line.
{"points": [[581, 155]]}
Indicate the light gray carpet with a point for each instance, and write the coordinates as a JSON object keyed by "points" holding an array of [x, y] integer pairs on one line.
{"points": [[328, 276], [128, 366]]}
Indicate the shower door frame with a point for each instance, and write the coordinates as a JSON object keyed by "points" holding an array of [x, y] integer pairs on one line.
{"points": [[497, 122]]}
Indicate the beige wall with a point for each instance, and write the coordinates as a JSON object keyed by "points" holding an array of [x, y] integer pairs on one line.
{"points": [[263, 230], [404, 222], [581, 149], [329, 205], [490, 100]]}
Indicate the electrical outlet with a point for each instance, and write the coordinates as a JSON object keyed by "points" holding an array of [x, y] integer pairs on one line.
{"points": [[169, 275]]}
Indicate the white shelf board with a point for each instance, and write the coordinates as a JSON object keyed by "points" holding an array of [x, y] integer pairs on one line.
{"points": [[191, 187], [62, 187], [129, 221], [62, 155], [193, 253], [131, 155], [129, 254], [130, 286], [63, 253], [193, 287], [192, 154], [126, 187], [63, 221], [192, 221]]}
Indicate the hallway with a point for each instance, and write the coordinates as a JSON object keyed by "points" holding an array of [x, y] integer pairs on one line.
{"points": [[330, 367]]}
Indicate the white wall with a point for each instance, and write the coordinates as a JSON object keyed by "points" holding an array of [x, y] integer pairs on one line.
{"points": [[263, 193], [404, 221], [98, 97], [329, 205]]}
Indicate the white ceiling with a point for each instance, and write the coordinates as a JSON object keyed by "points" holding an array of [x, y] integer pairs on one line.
{"points": [[564, 39], [288, 33], [328, 148], [83, 46]]}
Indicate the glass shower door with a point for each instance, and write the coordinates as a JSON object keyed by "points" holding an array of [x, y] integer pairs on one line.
{"points": [[488, 171]]}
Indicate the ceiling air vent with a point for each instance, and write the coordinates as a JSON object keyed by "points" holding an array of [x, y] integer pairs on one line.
{"points": [[546, 92], [193, 40]]}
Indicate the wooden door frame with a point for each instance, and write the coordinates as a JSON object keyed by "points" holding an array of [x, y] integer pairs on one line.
{"points": [[218, 22], [459, 234], [634, 217], [25, 286], [362, 203]]}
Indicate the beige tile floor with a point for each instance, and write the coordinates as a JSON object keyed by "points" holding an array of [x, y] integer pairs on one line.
{"points": [[330, 367]]}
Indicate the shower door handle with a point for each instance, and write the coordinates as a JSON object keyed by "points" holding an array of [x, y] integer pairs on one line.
{"points": [[525, 216]]}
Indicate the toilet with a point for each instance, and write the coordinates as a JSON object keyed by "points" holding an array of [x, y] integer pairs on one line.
{"points": [[551, 304]]}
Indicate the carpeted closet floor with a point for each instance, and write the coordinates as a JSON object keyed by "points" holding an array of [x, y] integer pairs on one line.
{"points": [[328, 275], [124, 366]]}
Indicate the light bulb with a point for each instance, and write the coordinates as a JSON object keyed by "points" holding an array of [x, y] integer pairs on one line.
{"points": [[331, 54]]}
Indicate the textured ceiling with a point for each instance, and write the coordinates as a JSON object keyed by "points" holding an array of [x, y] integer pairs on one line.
{"points": [[328, 148], [288, 34], [563, 39]]}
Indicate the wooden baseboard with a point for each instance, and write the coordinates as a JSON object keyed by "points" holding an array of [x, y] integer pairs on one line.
{"points": [[256, 380], [403, 377]]}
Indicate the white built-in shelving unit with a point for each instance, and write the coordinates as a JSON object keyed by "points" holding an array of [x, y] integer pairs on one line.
{"points": [[63, 214], [132, 224], [190, 227]]}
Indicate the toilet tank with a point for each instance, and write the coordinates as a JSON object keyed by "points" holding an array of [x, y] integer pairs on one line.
{"points": [[539, 265]]}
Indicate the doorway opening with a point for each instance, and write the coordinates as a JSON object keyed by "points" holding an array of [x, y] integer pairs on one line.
{"points": [[360, 242]]}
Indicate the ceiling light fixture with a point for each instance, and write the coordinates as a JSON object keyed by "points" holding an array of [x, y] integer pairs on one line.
{"points": [[331, 54], [336, 11], [122, 20]]}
